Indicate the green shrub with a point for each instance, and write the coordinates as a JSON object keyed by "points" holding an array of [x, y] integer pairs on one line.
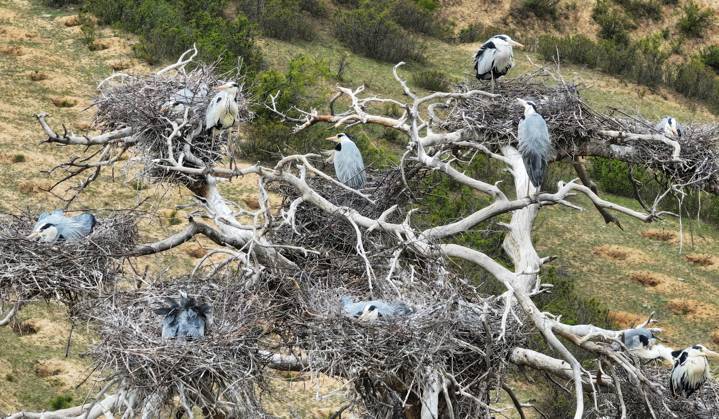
{"points": [[434, 80], [61, 402], [19, 158], [417, 17], [168, 28], [350, 3], [695, 80], [88, 29], [613, 24], [543, 9], [314, 7], [283, 19], [473, 32], [61, 3], [642, 9], [372, 33], [696, 20], [710, 57]]}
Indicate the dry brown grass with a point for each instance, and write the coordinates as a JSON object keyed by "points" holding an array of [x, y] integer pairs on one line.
{"points": [[195, 251], [120, 65], [71, 21], [701, 260], [252, 202], [621, 253], [647, 278], [692, 308], [37, 76], [64, 102], [660, 235], [715, 337], [12, 50], [681, 307], [98, 45], [63, 373], [625, 319]]}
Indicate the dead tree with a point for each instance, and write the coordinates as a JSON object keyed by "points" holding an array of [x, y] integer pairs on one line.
{"points": [[327, 240]]}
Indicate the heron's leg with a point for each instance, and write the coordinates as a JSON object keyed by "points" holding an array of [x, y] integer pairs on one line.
{"points": [[492, 88]]}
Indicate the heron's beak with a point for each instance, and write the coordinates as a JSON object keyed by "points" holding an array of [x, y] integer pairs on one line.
{"points": [[222, 87], [33, 235], [515, 44], [711, 353], [522, 102], [335, 139], [675, 132]]}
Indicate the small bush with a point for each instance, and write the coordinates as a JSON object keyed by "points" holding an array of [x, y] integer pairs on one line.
{"points": [[710, 57], [543, 9], [88, 28], [695, 80], [314, 7], [696, 20], [433, 80], [613, 24], [283, 19], [61, 3], [417, 17], [642, 9], [61, 402], [474, 32], [18, 158], [372, 33]]}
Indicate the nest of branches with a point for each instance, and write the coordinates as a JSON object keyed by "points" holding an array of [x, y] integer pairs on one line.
{"points": [[163, 128], [219, 373], [573, 125], [66, 271], [703, 404]]}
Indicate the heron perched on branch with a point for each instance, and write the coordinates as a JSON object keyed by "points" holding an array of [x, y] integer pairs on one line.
{"points": [[56, 227], [691, 370], [534, 143], [222, 112], [349, 166], [495, 58], [669, 127], [374, 309], [185, 318]]}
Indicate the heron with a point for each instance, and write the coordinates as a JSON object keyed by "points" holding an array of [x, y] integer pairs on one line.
{"points": [[185, 97], [691, 370], [185, 318], [374, 309], [495, 58], [349, 166], [669, 127], [222, 111], [643, 342], [57, 227], [535, 145]]}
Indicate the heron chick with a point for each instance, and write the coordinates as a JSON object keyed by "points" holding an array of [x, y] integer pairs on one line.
{"points": [[373, 310], [535, 145], [349, 166], [185, 319], [56, 227]]}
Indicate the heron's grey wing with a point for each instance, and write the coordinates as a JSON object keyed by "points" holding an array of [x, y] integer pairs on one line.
{"points": [[191, 324], [75, 228], [402, 309], [169, 325], [183, 96], [484, 60], [663, 123], [354, 309], [54, 217], [349, 165], [535, 147]]}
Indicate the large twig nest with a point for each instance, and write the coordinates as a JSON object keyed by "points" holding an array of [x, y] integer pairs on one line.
{"points": [[66, 271], [218, 373], [149, 105], [575, 128]]}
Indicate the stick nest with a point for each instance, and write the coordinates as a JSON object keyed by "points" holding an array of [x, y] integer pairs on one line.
{"points": [[144, 103], [219, 373], [573, 125], [65, 271]]}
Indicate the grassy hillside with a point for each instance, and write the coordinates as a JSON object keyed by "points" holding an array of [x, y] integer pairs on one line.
{"points": [[45, 63]]}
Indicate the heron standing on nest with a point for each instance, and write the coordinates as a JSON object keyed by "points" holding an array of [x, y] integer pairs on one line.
{"points": [[222, 112], [691, 370], [534, 143], [184, 319], [495, 58], [56, 227], [669, 127], [349, 166]]}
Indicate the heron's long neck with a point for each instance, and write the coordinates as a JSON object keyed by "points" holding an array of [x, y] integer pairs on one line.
{"points": [[663, 352], [528, 110]]}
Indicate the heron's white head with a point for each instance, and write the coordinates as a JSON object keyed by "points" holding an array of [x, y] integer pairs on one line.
{"points": [[339, 139], [701, 350], [507, 40], [47, 233], [369, 313], [230, 87], [529, 106]]}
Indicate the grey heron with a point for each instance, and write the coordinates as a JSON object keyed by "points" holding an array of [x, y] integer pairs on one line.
{"points": [[56, 226], [349, 166], [643, 342], [495, 58], [669, 127], [691, 370], [222, 110], [185, 318], [535, 145], [373, 309], [185, 97]]}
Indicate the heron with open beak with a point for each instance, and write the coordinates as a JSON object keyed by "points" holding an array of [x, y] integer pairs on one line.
{"points": [[349, 167], [691, 369]]}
